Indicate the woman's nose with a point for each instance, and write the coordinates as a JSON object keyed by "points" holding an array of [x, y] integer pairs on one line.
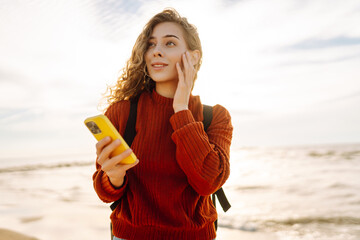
{"points": [[157, 52]]}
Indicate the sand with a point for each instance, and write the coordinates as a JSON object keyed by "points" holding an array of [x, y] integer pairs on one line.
{"points": [[6, 234]]}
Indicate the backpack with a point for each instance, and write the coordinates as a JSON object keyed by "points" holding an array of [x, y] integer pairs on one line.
{"points": [[129, 136]]}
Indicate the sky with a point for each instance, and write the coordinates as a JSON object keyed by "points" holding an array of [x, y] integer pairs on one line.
{"points": [[287, 70]]}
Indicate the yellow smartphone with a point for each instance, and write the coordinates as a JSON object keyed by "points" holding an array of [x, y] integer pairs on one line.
{"points": [[101, 127]]}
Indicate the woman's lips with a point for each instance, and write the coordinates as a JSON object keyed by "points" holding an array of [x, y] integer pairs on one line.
{"points": [[158, 65]]}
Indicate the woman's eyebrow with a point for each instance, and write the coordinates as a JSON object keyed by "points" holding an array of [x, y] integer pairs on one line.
{"points": [[170, 35], [167, 36]]}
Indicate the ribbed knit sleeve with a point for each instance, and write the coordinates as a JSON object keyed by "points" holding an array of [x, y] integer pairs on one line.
{"points": [[117, 114], [104, 189], [204, 157]]}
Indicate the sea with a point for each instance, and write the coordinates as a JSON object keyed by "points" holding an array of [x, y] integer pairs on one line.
{"points": [[303, 192], [299, 192]]}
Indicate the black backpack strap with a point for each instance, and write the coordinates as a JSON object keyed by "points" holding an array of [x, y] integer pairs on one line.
{"points": [[208, 115], [213, 198], [220, 194], [224, 202], [129, 134], [130, 131]]}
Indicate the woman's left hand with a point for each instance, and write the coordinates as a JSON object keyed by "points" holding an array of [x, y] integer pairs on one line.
{"points": [[185, 84]]}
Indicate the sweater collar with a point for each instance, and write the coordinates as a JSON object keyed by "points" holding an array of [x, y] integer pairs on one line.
{"points": [[157, 98], [161, 99]]}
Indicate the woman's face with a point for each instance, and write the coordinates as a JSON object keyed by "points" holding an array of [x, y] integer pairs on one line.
{"points": [[165, 48]]}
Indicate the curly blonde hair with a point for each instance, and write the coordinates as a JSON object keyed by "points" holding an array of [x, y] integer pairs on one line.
{"points": [[134, 78]]}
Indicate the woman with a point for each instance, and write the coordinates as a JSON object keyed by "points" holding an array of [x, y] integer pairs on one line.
{"points": [[166, 193]]}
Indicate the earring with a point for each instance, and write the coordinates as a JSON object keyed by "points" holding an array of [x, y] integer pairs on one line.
{"points": [[147, 79], [145, 71]]}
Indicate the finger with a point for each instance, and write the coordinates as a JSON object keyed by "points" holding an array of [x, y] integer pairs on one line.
{"points": [[112, 162], [106, 151], [189, 72], [119, 158], [101, 144], [188, 59], [180, 72], [101, 161], [185, 61], [120, 170], [128, 166], [188, 66]]}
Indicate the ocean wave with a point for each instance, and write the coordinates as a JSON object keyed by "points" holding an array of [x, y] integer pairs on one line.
{"points": [[349, 155], [245, 227], [339, 220], [34, 167], [260, 225], [251, 187]]}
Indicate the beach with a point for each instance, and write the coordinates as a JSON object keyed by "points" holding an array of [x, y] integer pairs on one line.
{"points": [[11, 235], [224, 234], [6, 234], [276, 194], [58, 202]]}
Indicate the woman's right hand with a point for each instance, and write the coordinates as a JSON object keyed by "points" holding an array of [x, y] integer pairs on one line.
{"points": [[112, 165]]}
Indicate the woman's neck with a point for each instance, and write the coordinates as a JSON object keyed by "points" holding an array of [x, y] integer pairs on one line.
{"points": [[166, 89]]}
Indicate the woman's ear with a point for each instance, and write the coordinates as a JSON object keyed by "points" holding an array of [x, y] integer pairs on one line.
{"points": [[195, 57]]}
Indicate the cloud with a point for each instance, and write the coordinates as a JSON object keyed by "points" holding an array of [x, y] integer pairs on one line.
{"points": [[351, 96], [8, 114], [322, 123], [326, 43], [9, 76], [261, 58], [117, 8]]}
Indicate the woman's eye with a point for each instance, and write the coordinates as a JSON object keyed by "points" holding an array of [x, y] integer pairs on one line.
{"points": [[150, 44], [170, 44]]}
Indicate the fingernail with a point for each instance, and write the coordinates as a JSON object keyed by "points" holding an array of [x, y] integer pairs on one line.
{"points": [[117, 141]]}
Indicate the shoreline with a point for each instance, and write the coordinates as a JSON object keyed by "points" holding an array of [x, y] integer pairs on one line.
{"points": [[223, 233], [227, 233]]}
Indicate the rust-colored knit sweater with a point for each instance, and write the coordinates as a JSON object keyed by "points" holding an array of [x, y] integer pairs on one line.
{"points": [[167, 195]]}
